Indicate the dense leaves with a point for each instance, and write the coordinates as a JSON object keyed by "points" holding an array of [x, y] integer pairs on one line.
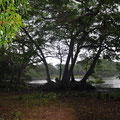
{"points": [[10, 18]]}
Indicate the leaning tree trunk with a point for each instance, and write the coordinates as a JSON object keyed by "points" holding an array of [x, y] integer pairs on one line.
{"points": [[45, 64], [47, 70], [91, 69], [43, 57]]}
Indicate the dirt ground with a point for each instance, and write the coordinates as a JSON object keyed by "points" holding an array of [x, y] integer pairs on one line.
{"points": [[64, 108]]}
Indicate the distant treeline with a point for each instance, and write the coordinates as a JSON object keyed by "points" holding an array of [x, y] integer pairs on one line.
{"points": [[104, 68]]}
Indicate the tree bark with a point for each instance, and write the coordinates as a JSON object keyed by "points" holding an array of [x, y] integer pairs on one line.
{"points": [[74, 59], [46, 66], [69, 71], [19, 74], [65, 78], [73, 62], [91, 69], [60, 74], [43, 57], [72, 77]]}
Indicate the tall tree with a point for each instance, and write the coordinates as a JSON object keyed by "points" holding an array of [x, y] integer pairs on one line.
{"points": [[89, 19], [80, 23]]}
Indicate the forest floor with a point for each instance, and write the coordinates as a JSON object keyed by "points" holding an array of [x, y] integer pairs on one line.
{"points": [[63, 105]]}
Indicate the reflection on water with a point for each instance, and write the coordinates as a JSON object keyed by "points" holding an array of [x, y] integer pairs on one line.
{"points": [[110, 82], [38, 82]]}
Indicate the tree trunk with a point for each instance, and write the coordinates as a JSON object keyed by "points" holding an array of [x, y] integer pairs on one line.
{"points": [[60, 69], [91, 69], [71, 74], [72, 78], [46, 66], [19, 75], [65, 78], [74, 59], [47, 71], [69, 71], [43, 57]]}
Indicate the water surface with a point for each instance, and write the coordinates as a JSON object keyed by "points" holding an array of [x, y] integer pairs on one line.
{"points": [[110, 82]]}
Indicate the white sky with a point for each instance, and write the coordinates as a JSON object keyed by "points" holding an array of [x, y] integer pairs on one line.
{"points": [[53, 61]]}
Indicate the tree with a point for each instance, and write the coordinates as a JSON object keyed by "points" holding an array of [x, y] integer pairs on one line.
{"points": [[19, 55], [95, 22], [91, 25], [107, 35], [84, 24], [10, 18], [4, 65], [40, 53]]}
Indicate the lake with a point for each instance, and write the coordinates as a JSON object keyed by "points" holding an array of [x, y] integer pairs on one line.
{"points": [[110, 82]]}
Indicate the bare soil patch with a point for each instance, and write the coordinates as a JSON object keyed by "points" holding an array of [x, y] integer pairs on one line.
{"points": [[65, 108]]}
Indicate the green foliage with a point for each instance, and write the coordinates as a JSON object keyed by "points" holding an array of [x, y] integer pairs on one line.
{"points": [[17, 115], [79, 69], [106, 68], [10, 19], [38, 98], [38, 71], [103, 68], [50, 97], [96, 81], [114, 95]]}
